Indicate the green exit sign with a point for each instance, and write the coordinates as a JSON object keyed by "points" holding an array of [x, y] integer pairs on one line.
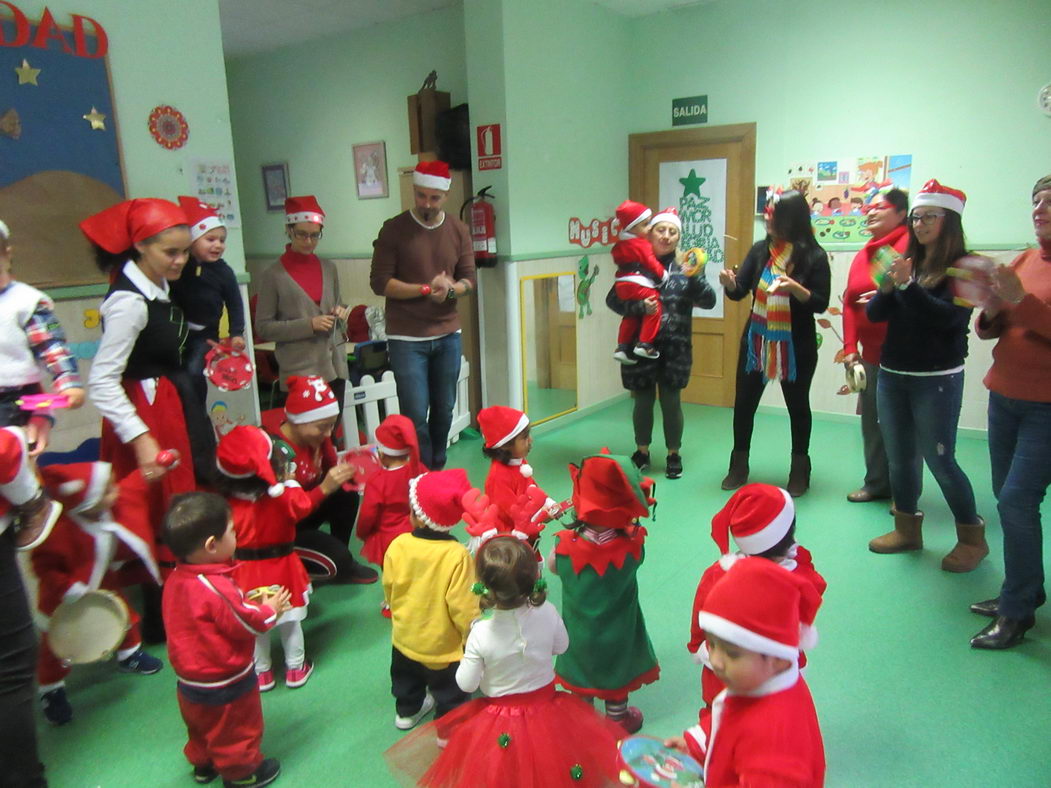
{"points": [[685, 111]]}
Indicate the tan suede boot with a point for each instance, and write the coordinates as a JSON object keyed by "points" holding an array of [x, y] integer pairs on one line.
{"points": [[907, 535], [970, 549]]}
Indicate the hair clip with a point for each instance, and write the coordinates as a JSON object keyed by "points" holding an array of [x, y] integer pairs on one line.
{"points": [[479, 588], [539, 585]]}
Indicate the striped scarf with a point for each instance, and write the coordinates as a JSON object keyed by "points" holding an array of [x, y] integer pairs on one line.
{"points": [[770, 328]]}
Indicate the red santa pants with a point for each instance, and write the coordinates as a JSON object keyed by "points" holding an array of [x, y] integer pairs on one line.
{"points": [[49, 668], [630, 325], [227, 736]]}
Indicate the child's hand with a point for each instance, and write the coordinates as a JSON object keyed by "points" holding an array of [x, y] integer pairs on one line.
{"points": [[75, 397], [280, 602], [337, 476], [677, 743], [238, 344]]}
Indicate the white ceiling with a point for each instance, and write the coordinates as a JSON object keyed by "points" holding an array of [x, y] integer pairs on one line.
{"points": [[251, 26]]}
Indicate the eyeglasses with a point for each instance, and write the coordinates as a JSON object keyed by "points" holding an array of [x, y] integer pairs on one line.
{"points": [[302, 235], [926, 218]]}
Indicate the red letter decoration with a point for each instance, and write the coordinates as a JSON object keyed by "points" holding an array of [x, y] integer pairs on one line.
{"points": [[21, 27], [46, 30], [80, 39]]}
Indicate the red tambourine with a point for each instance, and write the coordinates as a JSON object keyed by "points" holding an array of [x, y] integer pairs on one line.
{"points": [[228, 369], [365, 461]]}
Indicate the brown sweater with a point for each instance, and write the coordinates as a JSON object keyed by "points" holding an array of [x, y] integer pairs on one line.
{"points": [[407, 251], [1022, 357]]}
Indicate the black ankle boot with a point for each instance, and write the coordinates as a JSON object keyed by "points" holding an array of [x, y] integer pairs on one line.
{"points": [[1003, 633], [799, 475], [990, 607], [737, 475]]}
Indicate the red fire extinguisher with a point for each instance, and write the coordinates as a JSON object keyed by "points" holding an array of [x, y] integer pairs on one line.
{"points": [[483, 227]]}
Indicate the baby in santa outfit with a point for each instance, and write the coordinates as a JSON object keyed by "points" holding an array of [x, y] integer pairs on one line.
{"points": [[103, 540], [427, 579], [25, 508], [639, 274], [762, 520], [763, 728]]}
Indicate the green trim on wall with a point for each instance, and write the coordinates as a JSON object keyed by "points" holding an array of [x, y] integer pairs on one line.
{"points": [[92, 291], [980, 247]]}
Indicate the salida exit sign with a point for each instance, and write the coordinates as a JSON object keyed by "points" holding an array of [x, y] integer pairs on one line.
{"points": [[685, 111]]}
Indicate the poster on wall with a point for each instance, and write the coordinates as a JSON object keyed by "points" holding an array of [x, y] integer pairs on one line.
{"points": [[212, 181], [60, 158], [698, 190], [839, 190]]}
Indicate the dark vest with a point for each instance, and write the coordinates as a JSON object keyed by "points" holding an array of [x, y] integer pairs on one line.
{"points": [[158, 350]]}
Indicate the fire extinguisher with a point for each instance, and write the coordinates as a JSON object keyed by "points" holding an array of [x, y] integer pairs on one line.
{"points": [[483, 227]]}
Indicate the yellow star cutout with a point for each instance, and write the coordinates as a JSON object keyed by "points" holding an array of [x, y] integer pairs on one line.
{"points": [[96, 119], [26, 74]]}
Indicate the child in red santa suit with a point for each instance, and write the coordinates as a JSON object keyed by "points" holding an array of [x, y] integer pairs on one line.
{"points": [[102, 538], [266, 506], [25, 509], [762, 520], [763, 728], [310, 415], [212, 632], [610, 653], [639, 274]]}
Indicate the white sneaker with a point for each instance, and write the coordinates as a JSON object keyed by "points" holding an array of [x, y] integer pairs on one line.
{"points": [[623, 357], [408, 723]]}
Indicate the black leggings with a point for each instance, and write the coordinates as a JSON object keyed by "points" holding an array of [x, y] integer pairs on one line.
{"points": [[671, 412], [750, 388]]}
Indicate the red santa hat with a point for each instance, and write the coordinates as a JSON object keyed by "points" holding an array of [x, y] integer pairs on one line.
{"points": [[500, 425], [631, 214], [396, 437], [669, 215], [432, 175], [120, 226], [244, 452], [201, 216], [303, 209], [609, 491], [309, 399], [933, 193], [758, 516], [761, 606], [78, 486], [436, 498]]}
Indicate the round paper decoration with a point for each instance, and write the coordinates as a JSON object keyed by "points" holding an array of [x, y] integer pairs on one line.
{"points": [[227, 369], [169, 127]]}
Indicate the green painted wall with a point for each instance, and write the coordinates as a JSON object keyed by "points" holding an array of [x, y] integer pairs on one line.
{"points": [[307, 104], [163, 53], [953, 82]]}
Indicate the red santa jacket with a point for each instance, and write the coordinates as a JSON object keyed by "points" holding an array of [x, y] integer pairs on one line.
{"points": [[211, 626], [503, 485], [769, 739], [636, 262], [385, 501]]}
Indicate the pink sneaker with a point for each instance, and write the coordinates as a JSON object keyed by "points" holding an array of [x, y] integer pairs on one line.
{"points": [[266, 680], [297, 677]]}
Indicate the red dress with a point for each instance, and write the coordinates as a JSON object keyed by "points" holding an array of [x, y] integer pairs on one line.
{"points": [[384, 510]]}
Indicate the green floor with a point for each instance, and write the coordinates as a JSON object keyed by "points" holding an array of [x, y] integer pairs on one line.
{"points": [[902, 698]]}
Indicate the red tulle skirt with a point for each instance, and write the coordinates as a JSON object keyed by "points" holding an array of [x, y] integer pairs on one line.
{"points": [[287, 571], [539, 739]]}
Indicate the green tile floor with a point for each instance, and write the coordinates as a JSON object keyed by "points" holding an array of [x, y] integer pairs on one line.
{"points": [[903, 700]]}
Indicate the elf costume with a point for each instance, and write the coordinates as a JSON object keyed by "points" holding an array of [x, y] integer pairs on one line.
{"points": [[609, 652]]}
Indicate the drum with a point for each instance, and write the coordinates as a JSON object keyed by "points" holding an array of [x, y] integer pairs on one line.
{"points": [[646, 763], [88, 629]]}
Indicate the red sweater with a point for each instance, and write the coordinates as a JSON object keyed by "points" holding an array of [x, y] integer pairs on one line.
{"points": [[635, 255], [211, 627], [1022, 357], [305, 270], [856, 325]]}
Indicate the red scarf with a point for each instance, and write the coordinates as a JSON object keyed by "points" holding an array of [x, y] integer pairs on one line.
{"points": [[305, 270]]}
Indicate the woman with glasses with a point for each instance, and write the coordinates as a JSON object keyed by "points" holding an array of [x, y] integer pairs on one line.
{"points": [[885, 219], [1019, 383], [788, 276], [920, 388], [299, 307]]}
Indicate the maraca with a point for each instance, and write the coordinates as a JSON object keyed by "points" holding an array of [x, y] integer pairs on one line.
{"points": [[168, 458]]}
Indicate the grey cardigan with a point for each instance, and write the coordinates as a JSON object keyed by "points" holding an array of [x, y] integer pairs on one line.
{"points": [[283, 315]]}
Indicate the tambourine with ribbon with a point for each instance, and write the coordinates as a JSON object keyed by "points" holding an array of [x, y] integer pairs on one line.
{"points": [[693, 261], [228, 369]]}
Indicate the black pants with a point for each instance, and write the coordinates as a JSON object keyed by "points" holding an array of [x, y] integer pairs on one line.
{"points": [[671, 413], [409, 682], [339, 511], [20, 766], [750, 388]]}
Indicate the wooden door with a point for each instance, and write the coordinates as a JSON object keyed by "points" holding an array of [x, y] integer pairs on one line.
{"points": [[728, 203]]}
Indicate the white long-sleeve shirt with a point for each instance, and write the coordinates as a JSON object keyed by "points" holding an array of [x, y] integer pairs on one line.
{"points": [[511, 651]]}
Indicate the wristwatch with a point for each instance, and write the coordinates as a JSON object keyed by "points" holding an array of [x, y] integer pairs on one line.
{"points": [[450, 294]]}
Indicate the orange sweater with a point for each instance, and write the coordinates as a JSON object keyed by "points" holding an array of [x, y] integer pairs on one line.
{"points": [[1022, 357]]}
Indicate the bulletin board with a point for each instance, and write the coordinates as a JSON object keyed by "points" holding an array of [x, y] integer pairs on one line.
{"points": [[60, 157]]}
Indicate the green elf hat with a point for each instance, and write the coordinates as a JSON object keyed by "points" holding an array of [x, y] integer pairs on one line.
{"points": [[609, 491]]}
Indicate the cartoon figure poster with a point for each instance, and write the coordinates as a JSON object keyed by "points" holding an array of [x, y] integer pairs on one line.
{"points": [[212, 181]]}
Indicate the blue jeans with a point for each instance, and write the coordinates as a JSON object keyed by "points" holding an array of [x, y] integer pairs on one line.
{"points": [[425, 373], [194, 351], [919, 416], [1020, 456]]}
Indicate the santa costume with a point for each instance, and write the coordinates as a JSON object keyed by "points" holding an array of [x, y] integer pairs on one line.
{"points": [[384, 510], [107, 550], [769, 735], [23, 505], [758, 516], [638, 274], [610, 653]]}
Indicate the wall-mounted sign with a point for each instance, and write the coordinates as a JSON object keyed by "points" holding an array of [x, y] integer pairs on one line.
{"points": [[603, 232], [489, 147], [685, 111]]}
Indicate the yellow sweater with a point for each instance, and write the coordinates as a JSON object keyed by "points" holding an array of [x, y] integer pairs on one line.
{"points": [[427, 583]]}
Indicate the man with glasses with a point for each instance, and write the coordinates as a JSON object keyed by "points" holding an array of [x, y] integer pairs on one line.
{"points": [[423, 262]]}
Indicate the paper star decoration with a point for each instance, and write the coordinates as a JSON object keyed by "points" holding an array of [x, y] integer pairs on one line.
{"points": [[692, 184], [26, 74], [96, 119]]}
